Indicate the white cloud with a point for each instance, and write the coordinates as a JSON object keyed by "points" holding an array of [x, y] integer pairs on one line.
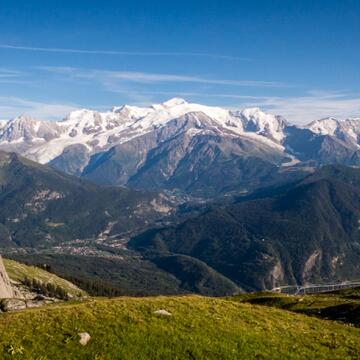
{"points": [[10, 73], [109, 78], [12, 76], [14, 106], [303, 109], [297, 109], [119, 53]]}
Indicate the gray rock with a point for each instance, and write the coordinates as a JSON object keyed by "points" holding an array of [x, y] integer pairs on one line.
{"points": [[6, 290], [14, 304]]}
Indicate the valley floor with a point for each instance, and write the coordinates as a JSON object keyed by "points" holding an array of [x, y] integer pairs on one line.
{"points": [[192, 327]]}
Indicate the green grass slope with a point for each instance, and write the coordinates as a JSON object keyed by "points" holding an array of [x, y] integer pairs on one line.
{"points": [[199, 328], [18, 272]]}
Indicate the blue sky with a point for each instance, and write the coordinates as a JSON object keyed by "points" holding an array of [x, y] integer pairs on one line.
{"points": [[296, 58]]}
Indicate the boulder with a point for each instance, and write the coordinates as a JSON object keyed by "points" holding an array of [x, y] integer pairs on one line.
{"points": [[13, 304], [162, 312], [6, 290]]}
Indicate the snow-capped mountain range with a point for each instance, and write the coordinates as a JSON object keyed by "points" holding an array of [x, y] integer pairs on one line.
{"points": [[167, 144], [45, 140]]}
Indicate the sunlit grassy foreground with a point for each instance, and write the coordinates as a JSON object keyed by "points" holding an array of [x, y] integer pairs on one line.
{"points": [[199, 328]]}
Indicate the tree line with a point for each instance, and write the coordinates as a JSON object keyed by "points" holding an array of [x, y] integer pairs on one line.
{"points": [[46, 289]]}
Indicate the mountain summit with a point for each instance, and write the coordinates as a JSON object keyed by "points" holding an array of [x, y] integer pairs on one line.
{"points": [[178, 145]]}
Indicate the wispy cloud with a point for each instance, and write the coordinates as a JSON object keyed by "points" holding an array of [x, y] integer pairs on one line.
{"points": [[297, 109], [10, 73], [12, 76], [13, 106], [110, 77], [316, 105], [120, 53], [201, 95]]}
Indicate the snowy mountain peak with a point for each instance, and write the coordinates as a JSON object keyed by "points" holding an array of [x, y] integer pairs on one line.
{"points": [[134, 136], [25, 128], [252, 112], [268, 125], [23, 118], [260, 117], [174, 102], [133, 112], [326, 126], [79, 112], [3, 123], [347, 130], [96, 131]]}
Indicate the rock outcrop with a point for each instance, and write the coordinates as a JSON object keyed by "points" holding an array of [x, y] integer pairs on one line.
{"points": [[6, 290]]}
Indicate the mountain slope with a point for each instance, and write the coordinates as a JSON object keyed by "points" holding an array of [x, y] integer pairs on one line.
{"points": [[307, 232], [129, 274], [41, 207], [320, 149]]}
